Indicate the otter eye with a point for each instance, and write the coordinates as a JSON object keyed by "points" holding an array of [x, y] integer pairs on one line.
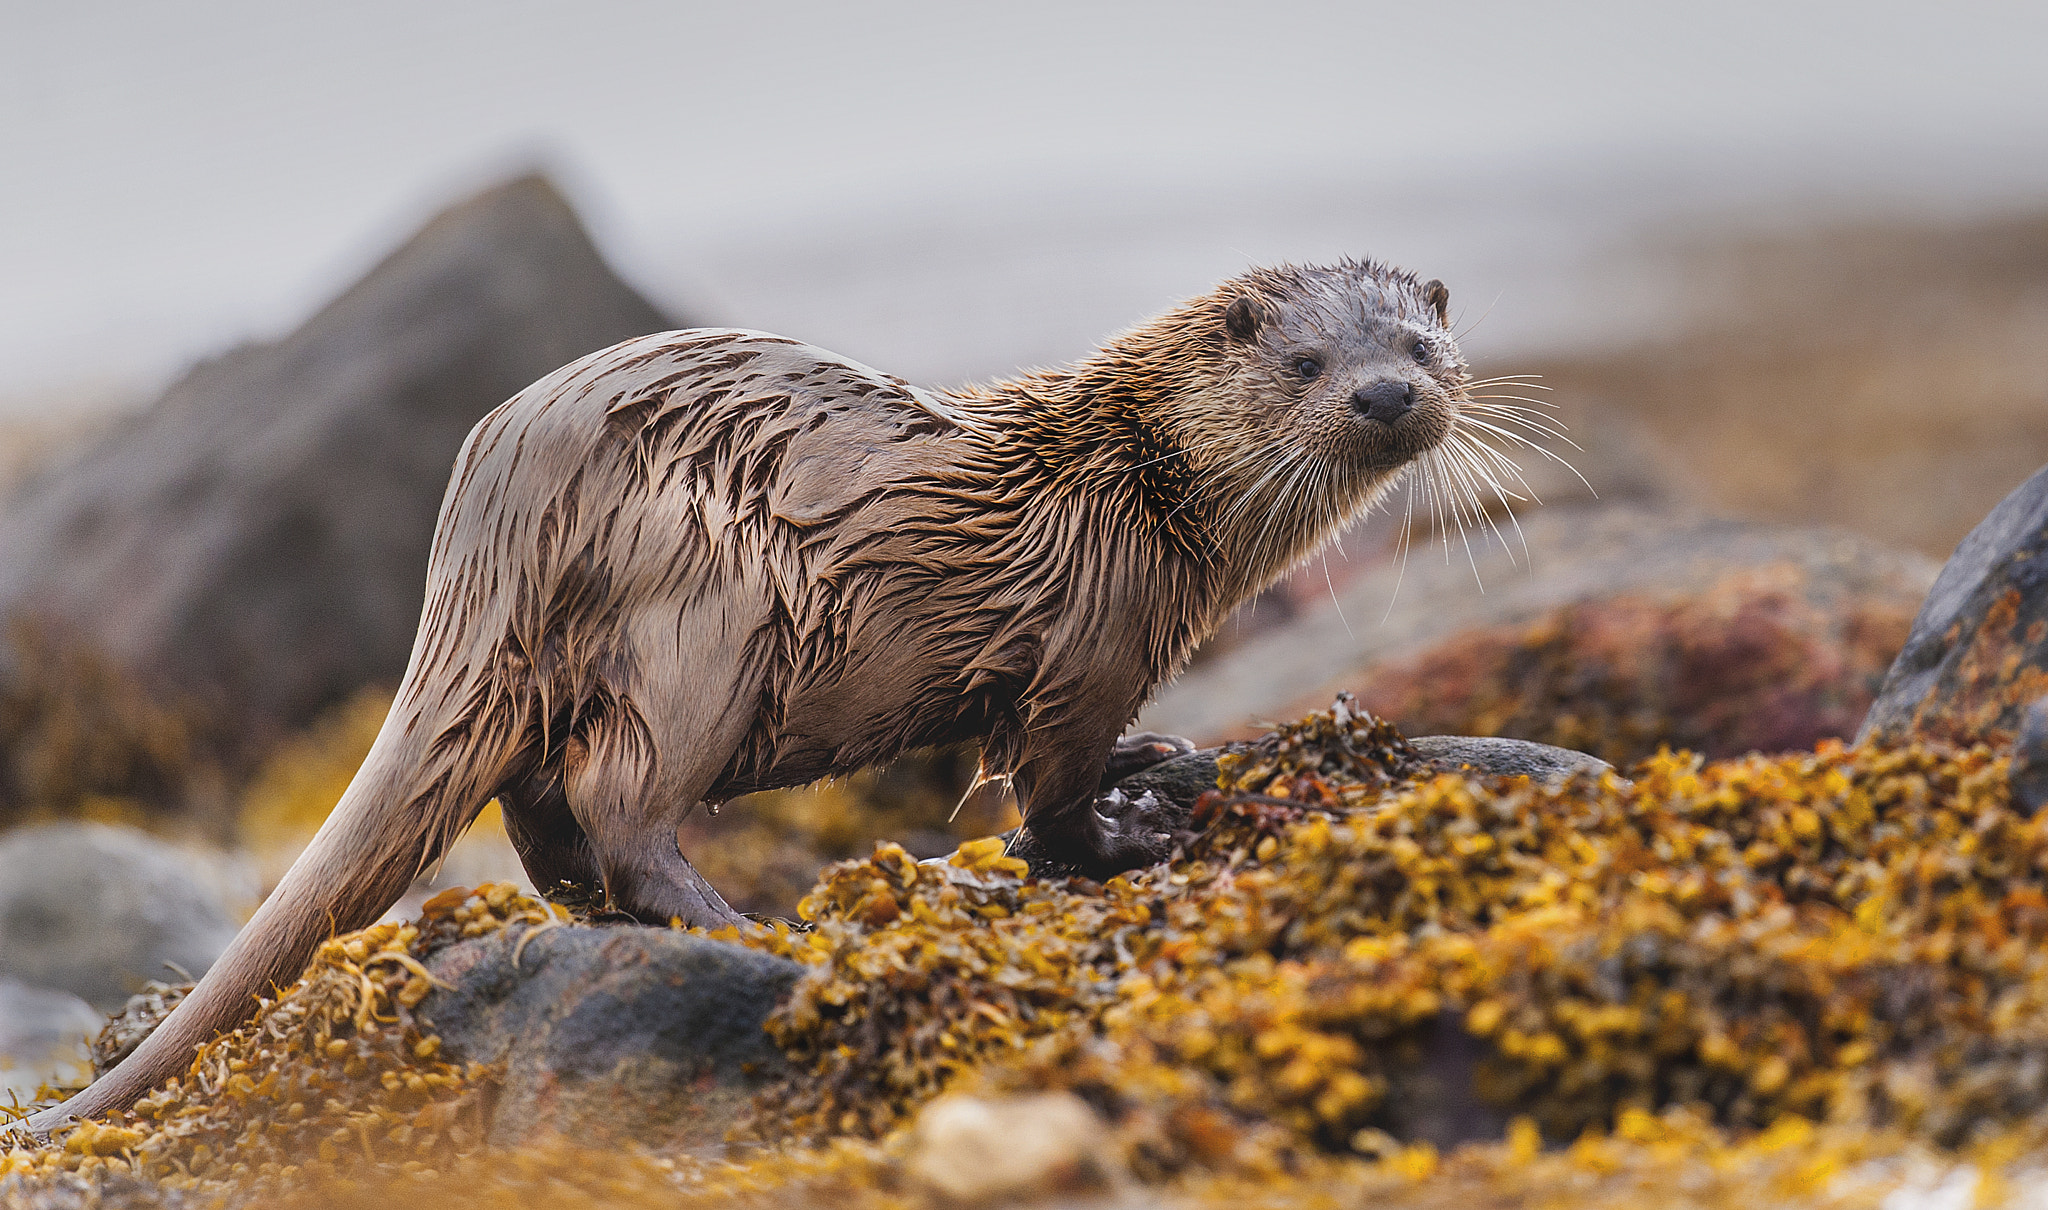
{"points": [[1308, 367], [1421, 351]]}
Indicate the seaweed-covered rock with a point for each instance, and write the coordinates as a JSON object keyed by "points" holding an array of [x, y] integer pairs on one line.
{"points": [[611, 1034], [99, 911], [1180, 780], [1811, 979], [253, 543], [1185, 778], [125, 1030], [1978, 653]]}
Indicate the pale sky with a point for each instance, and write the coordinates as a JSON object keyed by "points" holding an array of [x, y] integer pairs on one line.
{"points": [[179, 176]]}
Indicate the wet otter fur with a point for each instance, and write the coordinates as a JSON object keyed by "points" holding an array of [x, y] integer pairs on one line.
{"points": [[709, 562]]}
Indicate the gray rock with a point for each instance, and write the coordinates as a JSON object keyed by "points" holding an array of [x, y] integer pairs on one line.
{"points": [[37, 1022], [2030, 759], [614, 1034], [256, 541], [1179, 780], [1506, 757], [1436, 1099], [1182, 779], [98, 911], [1978, 653]]}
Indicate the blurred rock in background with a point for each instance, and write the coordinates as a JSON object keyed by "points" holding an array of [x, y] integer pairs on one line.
{"points": [[250, 551], [90, 914], [97, 911], [1624, 629], [43, 1036]]}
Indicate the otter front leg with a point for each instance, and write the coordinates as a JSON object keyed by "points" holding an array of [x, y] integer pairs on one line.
{"points": [[1073, 826]]}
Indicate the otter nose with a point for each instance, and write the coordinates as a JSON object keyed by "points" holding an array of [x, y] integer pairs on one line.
{"points": [[1385, 402]]}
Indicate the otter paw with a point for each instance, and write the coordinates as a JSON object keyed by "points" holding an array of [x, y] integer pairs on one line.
{"points": [[1140, 751], [1121, 832], [1133, 831]]}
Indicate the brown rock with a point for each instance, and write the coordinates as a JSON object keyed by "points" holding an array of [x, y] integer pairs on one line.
{"points": [[1633, 628], [1759, 661]]}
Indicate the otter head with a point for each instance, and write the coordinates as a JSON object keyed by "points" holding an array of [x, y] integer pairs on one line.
{"points": [[1342, 376]]}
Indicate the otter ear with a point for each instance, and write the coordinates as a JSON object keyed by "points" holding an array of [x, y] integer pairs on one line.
{"points": [[1438, 295], [1241, 319]]}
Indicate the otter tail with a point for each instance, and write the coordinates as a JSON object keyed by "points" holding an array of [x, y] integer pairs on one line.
{"points": [[417, 790]]}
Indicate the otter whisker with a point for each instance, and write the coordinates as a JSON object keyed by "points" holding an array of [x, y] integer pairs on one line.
{"points": [[1476, 455], [1313, 469], [1503, 462], [1523, 425], [1521, 431], [1474, 436], [1465, 536], [1334, 602], [1459, 495], [1545, 417], [1252, 496], [1270, 545], [1537, 406], [1280, 458], [1536, 425], [1518, 439], [1476, 473], [1439, 501], [1459, 463], [1474, 390], [1195, 491], [1537, 410], [1461, 334], [1407, 535], [1517, 380]]}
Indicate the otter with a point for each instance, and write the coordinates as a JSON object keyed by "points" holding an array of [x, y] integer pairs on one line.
{"points": [[708, 562]]}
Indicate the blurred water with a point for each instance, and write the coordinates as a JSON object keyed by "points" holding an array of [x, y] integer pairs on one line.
{"points": [[947, 190]]}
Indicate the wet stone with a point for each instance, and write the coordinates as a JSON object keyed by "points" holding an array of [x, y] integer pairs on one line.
{"points": [[612, 1034], [1498, 757], [99, 911]]}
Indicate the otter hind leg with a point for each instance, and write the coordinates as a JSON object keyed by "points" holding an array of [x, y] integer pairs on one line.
{"points": [[550, 843], [629, 807], [672, 721]]}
